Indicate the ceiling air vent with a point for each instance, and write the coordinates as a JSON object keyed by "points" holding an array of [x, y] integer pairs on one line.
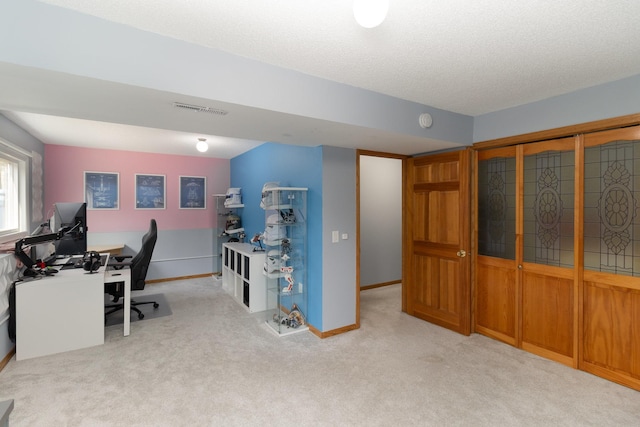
{"points": [[201, 109]]}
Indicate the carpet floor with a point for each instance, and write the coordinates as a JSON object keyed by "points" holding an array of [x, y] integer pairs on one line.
{"points": [[211, 363], [117, 318]]}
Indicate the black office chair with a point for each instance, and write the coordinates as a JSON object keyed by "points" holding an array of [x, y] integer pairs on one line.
{"points": [[139, 265]]}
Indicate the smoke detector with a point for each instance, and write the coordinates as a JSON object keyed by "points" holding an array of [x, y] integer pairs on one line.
{"points": [[425, 120]]}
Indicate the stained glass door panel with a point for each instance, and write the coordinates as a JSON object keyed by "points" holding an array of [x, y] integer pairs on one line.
{"points": [[548, 212], [547, 274], [497, 207], [612, 194], [611, 297], [496, 275]]}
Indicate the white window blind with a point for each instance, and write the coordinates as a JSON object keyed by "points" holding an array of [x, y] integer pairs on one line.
{"points": [[13, 200]]}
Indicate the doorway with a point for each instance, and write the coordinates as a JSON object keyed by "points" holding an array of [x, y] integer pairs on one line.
{"points": [[379, 207]]}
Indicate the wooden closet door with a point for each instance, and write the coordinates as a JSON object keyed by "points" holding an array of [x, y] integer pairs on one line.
{"points": [[437, 268], [611, 287], [525, 285], [497, 286], [548, 323]]}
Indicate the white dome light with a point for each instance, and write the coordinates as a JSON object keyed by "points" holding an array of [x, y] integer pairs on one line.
{"points": [[370, 13], [202, 145]]}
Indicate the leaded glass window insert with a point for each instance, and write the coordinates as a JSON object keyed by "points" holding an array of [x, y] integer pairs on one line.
{"points": [[496, 207], [548, 208], [612, 191]]}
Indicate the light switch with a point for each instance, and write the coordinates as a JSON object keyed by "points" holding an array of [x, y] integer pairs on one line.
{"points": [[335, 236], [345, 236]]}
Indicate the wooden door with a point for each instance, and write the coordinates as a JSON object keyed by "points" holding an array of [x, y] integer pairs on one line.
{"points": [[497, 282], [437, 221], [610, 299], [548, 313], [525, 293]]}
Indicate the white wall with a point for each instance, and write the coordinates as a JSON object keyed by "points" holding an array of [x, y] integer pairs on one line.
{"points": [[380, 220], [338, 259], [614, 99], [178, 253]]}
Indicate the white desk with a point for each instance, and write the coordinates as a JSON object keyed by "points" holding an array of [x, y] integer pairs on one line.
{"points": [[64, 312], [124, 275]]}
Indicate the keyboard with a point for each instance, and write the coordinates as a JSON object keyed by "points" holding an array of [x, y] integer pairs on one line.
{"points": [[76, 261], [72, 263]]}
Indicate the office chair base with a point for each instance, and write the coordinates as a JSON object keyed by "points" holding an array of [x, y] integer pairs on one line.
{"points": [[117, 307]]}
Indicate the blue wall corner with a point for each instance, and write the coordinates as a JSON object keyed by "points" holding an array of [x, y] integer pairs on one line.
{"points": [[291, 166]]}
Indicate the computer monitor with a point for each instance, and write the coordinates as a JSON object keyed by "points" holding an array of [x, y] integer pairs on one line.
{"points": [[71, 219]]}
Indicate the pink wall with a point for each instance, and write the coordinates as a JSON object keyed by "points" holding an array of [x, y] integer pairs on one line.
{"points": [[64, 182]]}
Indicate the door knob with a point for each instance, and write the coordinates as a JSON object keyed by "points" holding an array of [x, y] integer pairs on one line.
{"points": [[462, 253]]}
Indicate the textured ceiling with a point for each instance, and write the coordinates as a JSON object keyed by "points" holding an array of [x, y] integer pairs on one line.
{"points": [[465, 56]]}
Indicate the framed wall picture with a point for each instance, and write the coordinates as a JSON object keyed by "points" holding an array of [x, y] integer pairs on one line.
{"points": [[101, 190], [150, 191], [192, 192]]}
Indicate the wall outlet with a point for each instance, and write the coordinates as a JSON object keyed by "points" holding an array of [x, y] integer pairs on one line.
{"points": [[300, 287]]}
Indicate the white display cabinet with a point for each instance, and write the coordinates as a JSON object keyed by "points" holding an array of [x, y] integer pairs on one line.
{"points": [[285, 267], [221, 234], [242, 275]]}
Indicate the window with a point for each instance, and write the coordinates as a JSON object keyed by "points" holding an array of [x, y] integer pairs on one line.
{"points": [[13, 200]]}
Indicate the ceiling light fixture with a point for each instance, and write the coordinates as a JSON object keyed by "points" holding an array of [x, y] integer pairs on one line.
{"points": [[370, 13], [202, 145]]}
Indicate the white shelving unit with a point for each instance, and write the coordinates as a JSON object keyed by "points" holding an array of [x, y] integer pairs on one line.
{"points": [[221, 234], [242, 275]]}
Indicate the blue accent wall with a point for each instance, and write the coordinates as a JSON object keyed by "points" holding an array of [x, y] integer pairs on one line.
{"points": [[291, 166]]}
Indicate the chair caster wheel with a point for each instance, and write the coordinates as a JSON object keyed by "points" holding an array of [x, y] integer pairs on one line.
{"points": [[156, 305], [140, 316]]}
